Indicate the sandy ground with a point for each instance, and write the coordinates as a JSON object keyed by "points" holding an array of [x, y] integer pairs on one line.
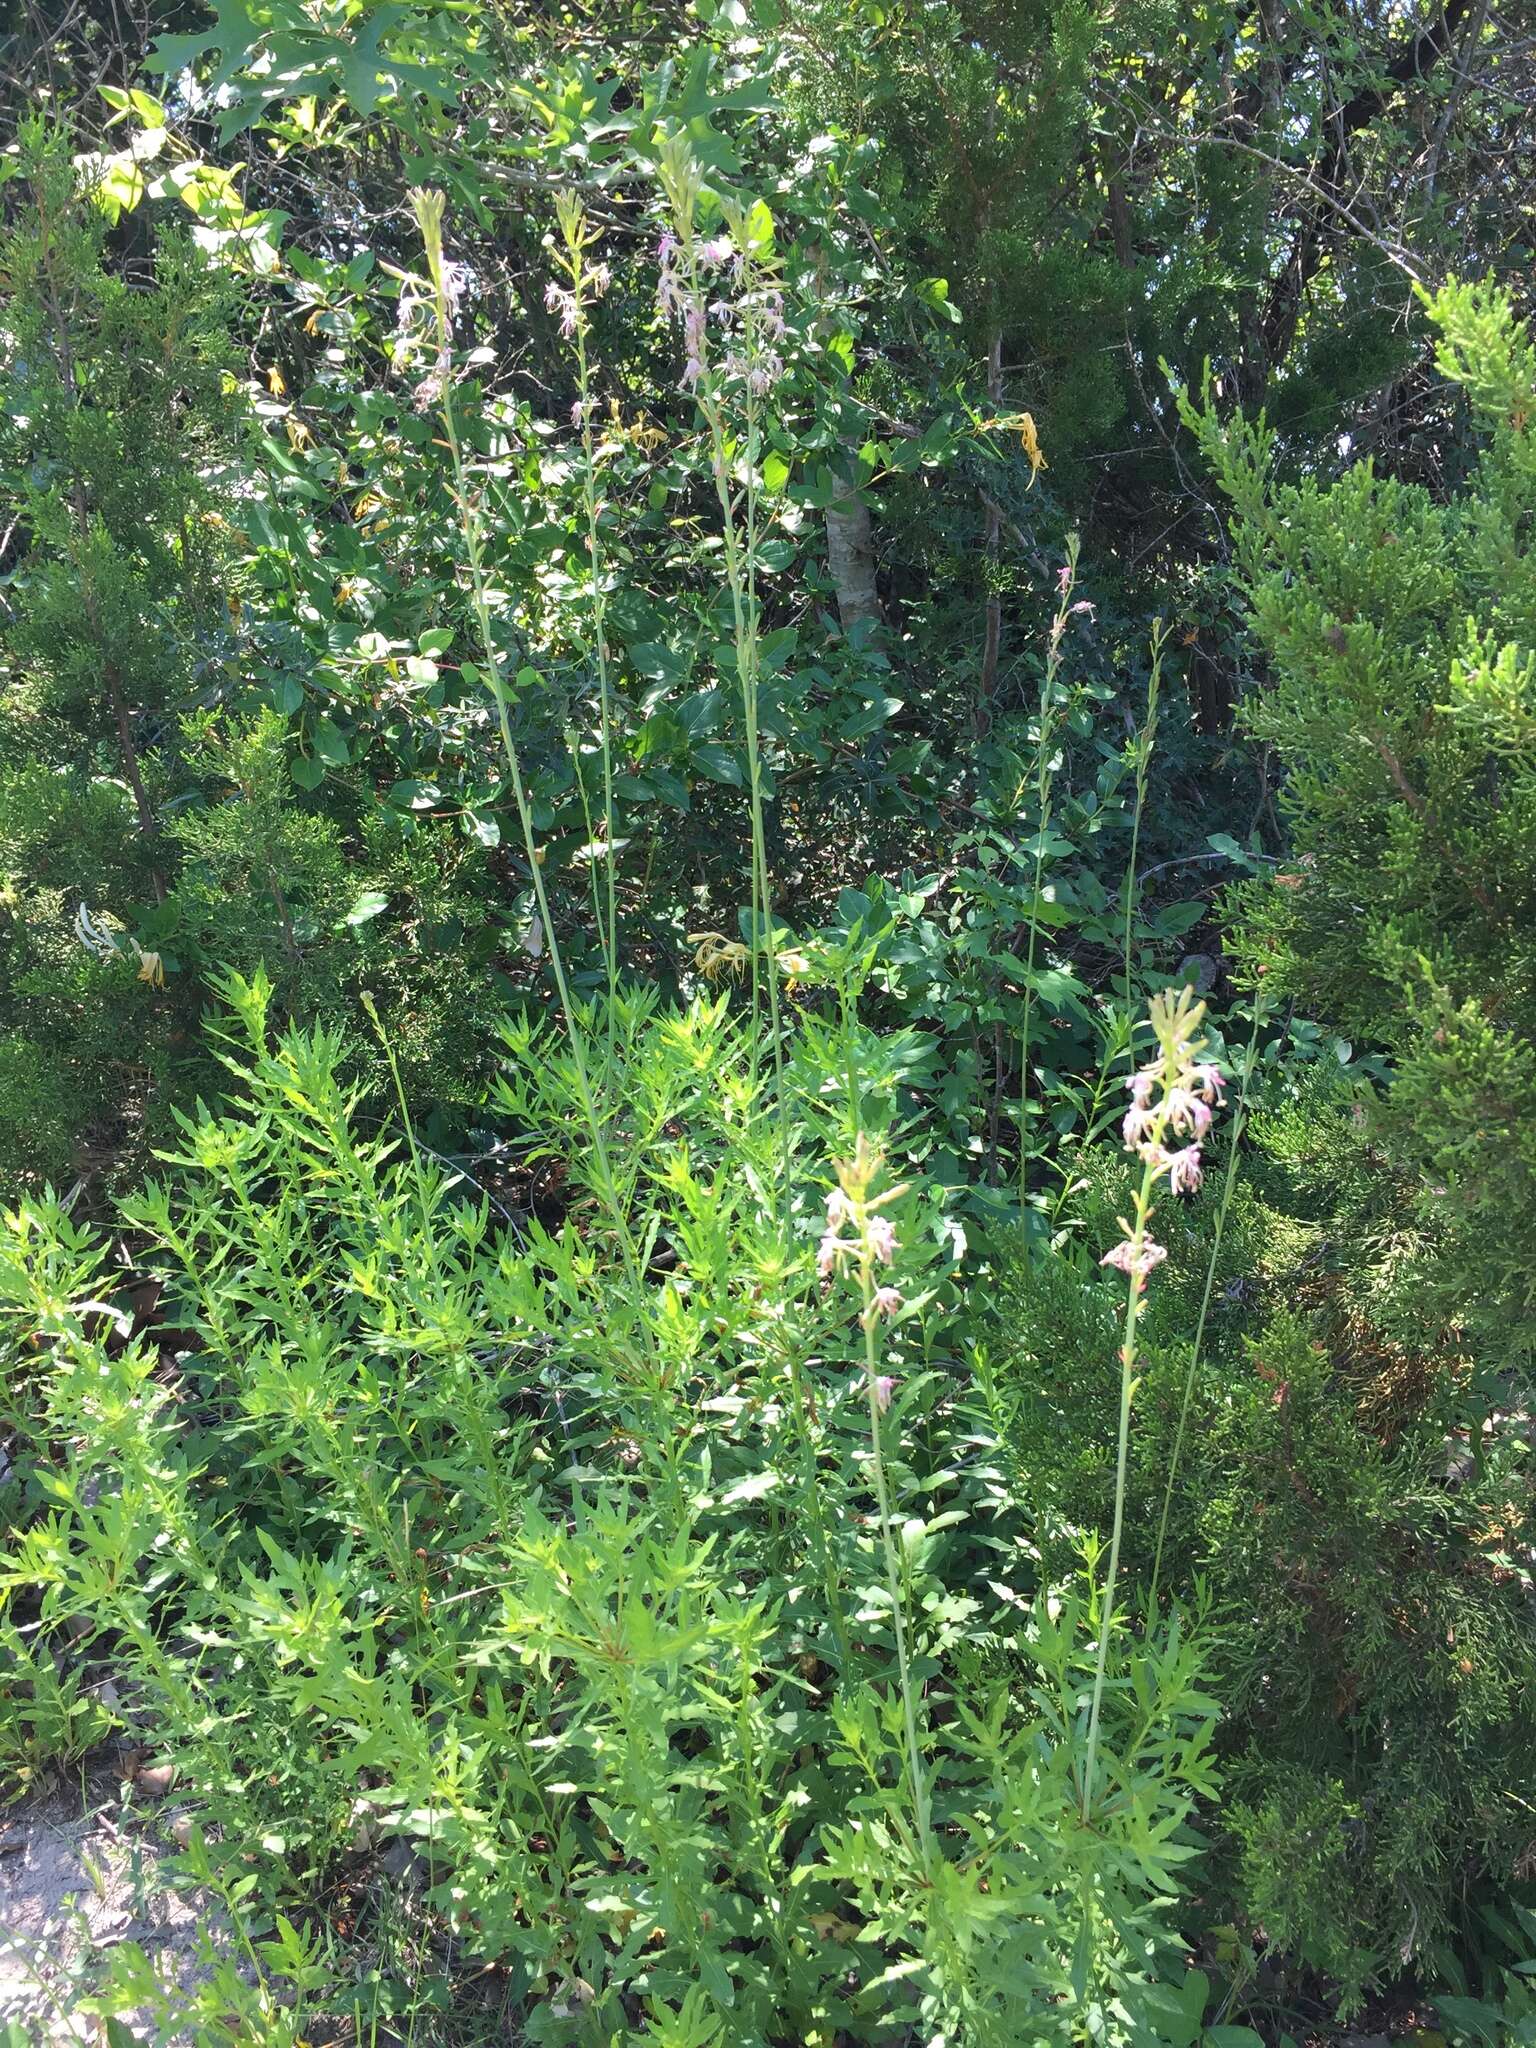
{"points": [[72, 1883]]}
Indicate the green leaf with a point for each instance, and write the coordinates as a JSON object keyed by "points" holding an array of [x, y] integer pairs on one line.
{"points": [[331, 743], [719, 764], [306, 771], [752, 1488], [368, 905]]}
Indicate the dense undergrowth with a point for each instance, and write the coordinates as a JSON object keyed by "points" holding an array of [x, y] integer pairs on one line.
{"points": [[750, 1294]]}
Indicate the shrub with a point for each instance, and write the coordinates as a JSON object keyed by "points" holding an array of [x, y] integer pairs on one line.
{"points": [[1400, 630], [1356, 1517], [695, 1656]]}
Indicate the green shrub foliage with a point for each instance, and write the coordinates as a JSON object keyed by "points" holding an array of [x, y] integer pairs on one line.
{"points": [[1400, 631], [617, 744], [403, 1522], [1358, 1516]]}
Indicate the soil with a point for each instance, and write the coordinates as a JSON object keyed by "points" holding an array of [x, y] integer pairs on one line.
{"points": [[78, 1876]]}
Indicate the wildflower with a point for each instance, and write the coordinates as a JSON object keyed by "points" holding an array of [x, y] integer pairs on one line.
{"points": [[1210, 1081], [454, 277], [881, 1237], [429, 391], [598, 279], [715, 954], [563, 301], [578, 414], [1126, 1257], [1173, 1093], [1034, 453], [1064, 578], [714, 253], [1185, 1110], [885, 1386], [857, 1231], [1138, 1128], [1184, 1170], [668, 288]]}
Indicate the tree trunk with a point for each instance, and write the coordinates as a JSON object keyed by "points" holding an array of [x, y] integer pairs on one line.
{"points": [[851, 559]]}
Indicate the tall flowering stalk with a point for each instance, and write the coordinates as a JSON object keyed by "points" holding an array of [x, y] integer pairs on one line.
{"points": [[581, 282], [1239, 1123], [732, 318], [1045, 738], [1173, 1098], [860, 1238], [1146, 740], [428, 207], [1120, 1030]]}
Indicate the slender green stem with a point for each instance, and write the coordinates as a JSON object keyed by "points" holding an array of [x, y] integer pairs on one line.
{"points": [[430, 217], [739, 538], [600, 647], [1043, 777], [1134, 1293], [920, 1800], [1239, 1119], [1145, 741]]}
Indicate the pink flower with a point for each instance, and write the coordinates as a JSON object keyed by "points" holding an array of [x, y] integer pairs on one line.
{"points": [[887, 1300], [1125, 1258], [1210, 1081], [880, 1235], [885, 1386], [1064, 578], [838, 1210], [563, 302], [1082, 606], [1184, 1170], [1141, 1086], [1138, 1127], [828, 1252], [1187, 1111], [713, 253]]}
